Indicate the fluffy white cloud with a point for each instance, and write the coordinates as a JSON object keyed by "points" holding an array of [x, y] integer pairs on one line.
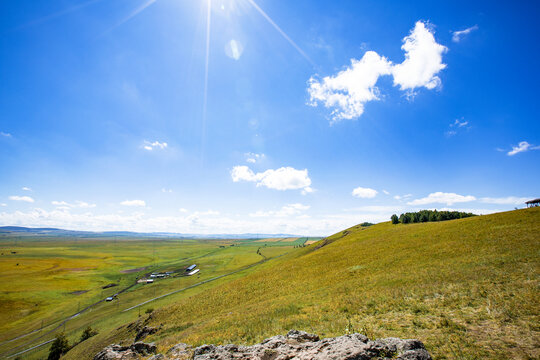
{"points": [[182, 210], [21, 198], [509, 200], [285, 211], [442, 198], [457, 35], [154, 145], [25, 188], [522, 147], [366, 193], [284, 178], [349, 90], [141, 203], [423, 60], [253, 157]]}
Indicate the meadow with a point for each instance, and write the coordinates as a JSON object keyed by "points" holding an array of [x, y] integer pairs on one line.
{"points": [[467, 288], [44, 280]]}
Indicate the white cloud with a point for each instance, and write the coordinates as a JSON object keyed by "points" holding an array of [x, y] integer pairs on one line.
{"points": [[385, 192], [78, 204], [154, 145], [307, 190], [25, 188], [348, 91], [402, 197], [141, 203], [5, 134], [522, 147], [21, 198], [253, 157], [455, 126], [163, 190], [442, 198], [234, 49], [457, 35], [3, 204], [509, 200], [284, 178], [423, 60], [182, 210], [366, 193], [285, 211], [458, 123]]}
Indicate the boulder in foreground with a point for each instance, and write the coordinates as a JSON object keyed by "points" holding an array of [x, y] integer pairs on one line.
{"points": [[296, 345]]}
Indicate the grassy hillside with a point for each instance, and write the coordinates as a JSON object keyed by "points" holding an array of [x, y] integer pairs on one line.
{"points": [[468, 288]]}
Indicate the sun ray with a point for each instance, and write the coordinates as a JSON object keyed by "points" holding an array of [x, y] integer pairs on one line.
{"points": [[205, 94], [57, 14], [134, 13], [265, 15]]}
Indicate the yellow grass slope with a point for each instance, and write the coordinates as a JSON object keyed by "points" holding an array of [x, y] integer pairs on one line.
{"points": [[467, 288]]}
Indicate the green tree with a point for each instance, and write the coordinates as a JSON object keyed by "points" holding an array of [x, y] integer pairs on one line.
{"points": [[59, 347], [88, 333], [395, 219]]}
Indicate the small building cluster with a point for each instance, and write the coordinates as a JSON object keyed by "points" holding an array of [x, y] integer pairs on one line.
{"points": [[533, 203], [190, 270]]}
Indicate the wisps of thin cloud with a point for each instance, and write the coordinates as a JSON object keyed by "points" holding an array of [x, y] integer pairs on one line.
{"points": [[254, 157], [523, 146], [455, 126], [21, 198], [509, 200], [402, 197], [140, 203], [76, 204], [442, 198], [366, 193], [285, 211], [458, 35], [26, 188], [154, 145], [347, 92], [5, 134], [284, 178]]}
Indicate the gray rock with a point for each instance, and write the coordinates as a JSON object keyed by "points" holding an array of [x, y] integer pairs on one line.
{"points": [[299, 345], [296, 345], [119, 352]]}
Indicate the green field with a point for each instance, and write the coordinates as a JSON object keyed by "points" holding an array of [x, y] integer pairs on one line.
{"points": [[45, 280], [467, 288]]}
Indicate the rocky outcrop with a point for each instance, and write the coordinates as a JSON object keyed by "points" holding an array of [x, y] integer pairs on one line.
{"points": [[118, 352], [297, 345]]}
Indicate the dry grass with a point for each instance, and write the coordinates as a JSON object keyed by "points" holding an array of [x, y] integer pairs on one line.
{"points": [[467, 288]]}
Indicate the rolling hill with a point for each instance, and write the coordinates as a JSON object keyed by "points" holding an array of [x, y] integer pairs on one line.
{"points": [[467, 288]]}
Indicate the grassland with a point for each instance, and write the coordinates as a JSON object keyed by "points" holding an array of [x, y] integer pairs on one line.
{"points": [[467, 288], [43, 281]]}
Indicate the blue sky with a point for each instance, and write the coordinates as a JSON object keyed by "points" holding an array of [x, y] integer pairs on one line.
{"points": [[318, 115]]}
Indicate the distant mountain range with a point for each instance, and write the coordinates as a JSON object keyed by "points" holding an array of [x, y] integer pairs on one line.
{"points": [[52, 232]]}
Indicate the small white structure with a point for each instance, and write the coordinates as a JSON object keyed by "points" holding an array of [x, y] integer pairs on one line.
{"points": [[110, 298], [149, 281], [194, 272]]}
